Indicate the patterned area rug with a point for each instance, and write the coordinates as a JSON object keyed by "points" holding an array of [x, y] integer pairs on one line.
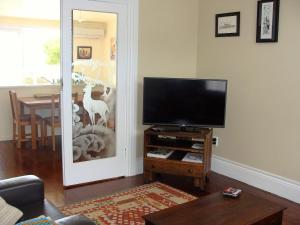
{"points": [[128, 207]]}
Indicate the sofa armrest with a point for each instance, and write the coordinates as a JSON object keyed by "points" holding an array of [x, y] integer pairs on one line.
{"points": [[22, 190], [75, 220]]}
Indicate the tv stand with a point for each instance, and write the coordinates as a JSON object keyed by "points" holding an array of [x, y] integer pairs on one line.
{"points": [[190, 129], [176, 128], [164, 128], [180, 142]]}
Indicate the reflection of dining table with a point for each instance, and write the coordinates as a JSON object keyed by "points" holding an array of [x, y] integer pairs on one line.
{"points": [[33, 103]]}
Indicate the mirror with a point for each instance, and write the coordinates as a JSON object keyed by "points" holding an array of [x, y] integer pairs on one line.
{"points": [[94, 77]]}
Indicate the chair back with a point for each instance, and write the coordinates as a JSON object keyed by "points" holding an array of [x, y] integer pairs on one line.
{"points": [[55, 107], [75, 97], [96, 95], [15, 105]]}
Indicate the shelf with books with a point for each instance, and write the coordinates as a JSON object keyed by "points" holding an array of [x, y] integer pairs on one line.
{"points": [[175, 148], [176, 155], [185, 153], [160, 153], [193, 158]]}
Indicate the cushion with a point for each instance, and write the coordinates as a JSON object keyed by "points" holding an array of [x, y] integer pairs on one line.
{"points": [[75, 220], [9, 215], [41, 220]]}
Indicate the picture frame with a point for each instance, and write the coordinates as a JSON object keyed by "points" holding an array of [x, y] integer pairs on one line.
{"points": [[84, 52], [227, 24], [267, 21]]}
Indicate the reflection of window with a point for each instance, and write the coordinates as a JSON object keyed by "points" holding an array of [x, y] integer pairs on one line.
{"points": [[23, 57]]}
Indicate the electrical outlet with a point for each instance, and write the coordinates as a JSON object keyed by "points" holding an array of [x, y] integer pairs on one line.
{"points": [[215, 141]]}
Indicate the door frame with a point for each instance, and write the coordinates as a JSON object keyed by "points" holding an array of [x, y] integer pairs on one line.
{"points": [[131, 85]]}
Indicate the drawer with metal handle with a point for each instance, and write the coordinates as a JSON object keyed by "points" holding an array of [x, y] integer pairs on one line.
{"points": [[173, 167]]}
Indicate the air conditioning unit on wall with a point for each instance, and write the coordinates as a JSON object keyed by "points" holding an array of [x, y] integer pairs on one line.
{"points": [[91, 33]]}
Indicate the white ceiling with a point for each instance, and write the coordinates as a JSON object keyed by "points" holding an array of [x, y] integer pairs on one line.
{"points": [[46, 9]]}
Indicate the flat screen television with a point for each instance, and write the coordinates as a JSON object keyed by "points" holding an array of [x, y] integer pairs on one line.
{"points": [[184, 102]]}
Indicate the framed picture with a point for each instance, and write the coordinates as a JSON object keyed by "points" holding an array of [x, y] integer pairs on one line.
{"points": [[228, 24], [267, 21], [84, 52]]}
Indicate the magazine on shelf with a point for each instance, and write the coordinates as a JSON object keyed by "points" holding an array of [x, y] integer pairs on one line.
{"points": [[198, 146], [193, 157], [166, 137], [160, 153]]}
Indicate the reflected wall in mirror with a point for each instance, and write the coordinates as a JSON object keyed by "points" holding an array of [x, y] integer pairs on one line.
{"points": [[94, 77]]}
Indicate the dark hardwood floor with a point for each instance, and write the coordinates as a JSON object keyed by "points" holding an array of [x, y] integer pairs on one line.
{"points": [[46, 164]]}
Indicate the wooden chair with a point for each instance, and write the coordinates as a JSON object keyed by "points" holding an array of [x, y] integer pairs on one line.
{"points": [[96, 95], [75, 100], [54, 120], [20, 121], [75, 97]]}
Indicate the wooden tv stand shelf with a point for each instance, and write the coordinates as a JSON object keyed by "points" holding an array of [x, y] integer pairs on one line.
{"points": [[181, 143]]}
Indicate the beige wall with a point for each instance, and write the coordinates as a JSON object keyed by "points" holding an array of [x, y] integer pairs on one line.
{"points": [[263, 109], [167, 44], [168, 37]]}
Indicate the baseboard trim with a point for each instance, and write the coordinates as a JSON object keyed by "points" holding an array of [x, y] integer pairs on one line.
{"points": [[266, 181], [269, 182]]}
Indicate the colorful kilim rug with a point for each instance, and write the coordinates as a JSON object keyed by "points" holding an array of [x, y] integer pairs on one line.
{"points": [[128, 207]]}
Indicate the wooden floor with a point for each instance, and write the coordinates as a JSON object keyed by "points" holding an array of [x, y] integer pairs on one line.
{"points": [[46, 164]]}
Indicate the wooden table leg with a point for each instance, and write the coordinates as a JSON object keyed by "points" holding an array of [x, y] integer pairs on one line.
{"points": [[199, 182], [33, 127]]}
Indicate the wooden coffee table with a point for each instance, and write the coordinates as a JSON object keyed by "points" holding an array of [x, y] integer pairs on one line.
{"points": [[215, 209]]}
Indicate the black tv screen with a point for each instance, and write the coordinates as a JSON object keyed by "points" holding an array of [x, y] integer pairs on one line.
{"points": [[184, 102]]}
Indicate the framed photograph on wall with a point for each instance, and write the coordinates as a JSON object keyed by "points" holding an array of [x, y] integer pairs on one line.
{"points": [[267, 21], [228, 24], [84, 52]]}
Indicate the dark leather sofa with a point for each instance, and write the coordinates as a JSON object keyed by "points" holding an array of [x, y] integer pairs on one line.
{"points": [[27, 194]]}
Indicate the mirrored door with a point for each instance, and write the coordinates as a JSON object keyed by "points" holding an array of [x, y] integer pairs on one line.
{"points": [[94, 67], [94, 85]]}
